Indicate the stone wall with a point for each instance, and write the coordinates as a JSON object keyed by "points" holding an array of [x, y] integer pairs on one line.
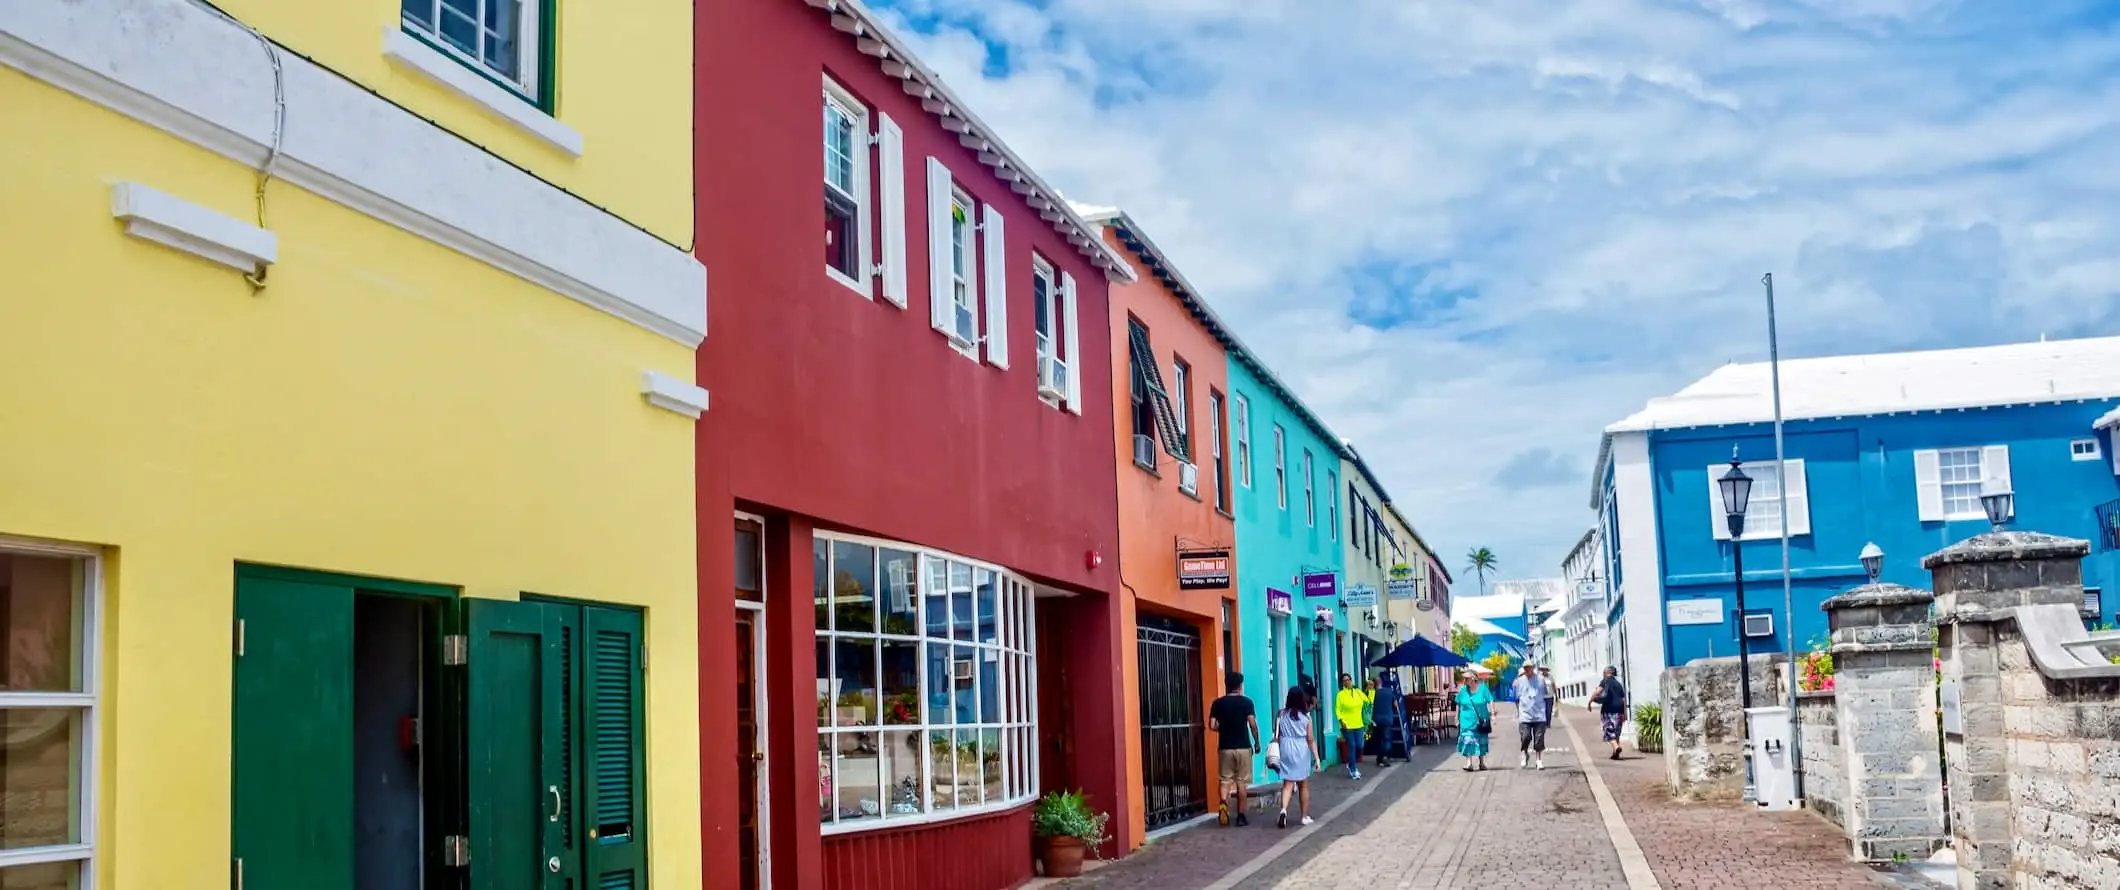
{"points": [[2064, 772], [1825, 777], [1704, 723]]}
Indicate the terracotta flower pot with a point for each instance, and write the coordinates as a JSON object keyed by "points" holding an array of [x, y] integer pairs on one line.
{"points": [[1062, 857]]}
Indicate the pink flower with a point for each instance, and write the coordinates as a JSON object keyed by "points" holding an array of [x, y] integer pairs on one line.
{"points": [[1829, 684]]}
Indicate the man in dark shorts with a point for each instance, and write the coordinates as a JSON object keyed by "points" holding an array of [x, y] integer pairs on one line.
{"points": [[1610, 702], [1235, 723]]}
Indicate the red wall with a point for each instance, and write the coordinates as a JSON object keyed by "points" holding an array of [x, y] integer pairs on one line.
{"points": [[837, 411], [980, 853]]}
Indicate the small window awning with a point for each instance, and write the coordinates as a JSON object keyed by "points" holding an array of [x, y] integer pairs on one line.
{"points": [[2109, 419], [1150, 379]]}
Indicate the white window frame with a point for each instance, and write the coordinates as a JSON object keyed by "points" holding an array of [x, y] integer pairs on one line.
{"points": [[1980, 473], [964, 271], [529, 45], [90, 592], [1756, 528], [1310, 491], [1048, 343], [1280, 463], [1181, 401], [1243, 422], [1332, 484], [837, 97], [1216, 429], [1016, 630], [2084, 449]]}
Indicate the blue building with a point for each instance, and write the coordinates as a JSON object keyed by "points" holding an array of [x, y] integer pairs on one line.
{"points": [[1892, 450]]}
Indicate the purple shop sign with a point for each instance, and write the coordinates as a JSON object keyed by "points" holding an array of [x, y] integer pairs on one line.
{"points": [[1280, 602], [1324, 584]]}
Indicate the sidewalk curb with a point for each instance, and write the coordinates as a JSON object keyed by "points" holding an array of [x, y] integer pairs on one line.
{"points": [[1632, 863]]}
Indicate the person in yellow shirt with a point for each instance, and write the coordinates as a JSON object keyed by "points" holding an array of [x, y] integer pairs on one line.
{"points": [[1350, 707]]}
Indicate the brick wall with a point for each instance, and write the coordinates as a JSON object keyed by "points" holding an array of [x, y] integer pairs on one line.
{"points": [[1825, 775], [1704, 723], [2064, 772]]}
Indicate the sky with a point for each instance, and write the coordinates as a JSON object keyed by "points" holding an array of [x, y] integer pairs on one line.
{"points": [[1471, 234]]}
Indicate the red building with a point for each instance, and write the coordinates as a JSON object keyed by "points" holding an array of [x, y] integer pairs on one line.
{"points": [[906, 499]]}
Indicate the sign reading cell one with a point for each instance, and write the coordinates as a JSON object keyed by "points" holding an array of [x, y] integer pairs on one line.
{"points": [[1321, 584], [1203, 569], [1280, 602]]}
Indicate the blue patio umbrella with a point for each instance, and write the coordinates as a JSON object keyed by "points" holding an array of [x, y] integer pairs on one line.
{"points": [[1420, 652]]}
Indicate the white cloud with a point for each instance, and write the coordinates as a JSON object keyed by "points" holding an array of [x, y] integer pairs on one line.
{"points": [[1586, 192]]}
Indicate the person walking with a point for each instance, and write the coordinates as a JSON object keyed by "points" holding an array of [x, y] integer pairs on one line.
{"points": [[1348, 708], [1532, 696], [1553, 693], [1294, 752], [1610, 703], [1235, 722], [1475, 703]]}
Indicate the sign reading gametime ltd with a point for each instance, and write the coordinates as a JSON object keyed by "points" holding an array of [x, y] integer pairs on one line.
{"points": [[1280, 602], [1203, 569], [1321, 584]]}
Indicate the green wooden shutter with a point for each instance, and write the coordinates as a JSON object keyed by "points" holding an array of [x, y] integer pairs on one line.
{"points": [[616, 810], [517, 747], [293, 734]]}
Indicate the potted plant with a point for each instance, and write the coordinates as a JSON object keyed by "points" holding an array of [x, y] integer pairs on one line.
{"points": [[1066, 828]]}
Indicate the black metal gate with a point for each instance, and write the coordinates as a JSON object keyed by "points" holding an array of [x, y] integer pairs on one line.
{"points": [[1173, 722]]}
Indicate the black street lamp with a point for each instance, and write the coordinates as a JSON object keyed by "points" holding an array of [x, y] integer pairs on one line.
{"points": [[1997, 501], [1736, 496]]}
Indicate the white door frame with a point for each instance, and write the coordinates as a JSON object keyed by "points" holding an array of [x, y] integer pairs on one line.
{"points": [[761, 706]]}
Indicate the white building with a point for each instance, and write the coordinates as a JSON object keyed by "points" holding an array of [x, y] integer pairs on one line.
{"points": [[1584, 651]]}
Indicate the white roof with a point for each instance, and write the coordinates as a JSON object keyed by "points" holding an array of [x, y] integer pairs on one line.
{"points": [[2109, 418], [1855, 385], [1537, 592], [1485, 628], [1493, 605]]}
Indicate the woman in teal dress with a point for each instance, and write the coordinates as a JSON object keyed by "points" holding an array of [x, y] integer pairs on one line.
{"points": [[1475, 720]]}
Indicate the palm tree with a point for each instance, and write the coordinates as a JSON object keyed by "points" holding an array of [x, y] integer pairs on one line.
{"points": [[1481, 561]]}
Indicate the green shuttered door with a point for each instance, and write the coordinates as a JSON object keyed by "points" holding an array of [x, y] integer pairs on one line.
{"points": [[616, 859], [293, 735]]}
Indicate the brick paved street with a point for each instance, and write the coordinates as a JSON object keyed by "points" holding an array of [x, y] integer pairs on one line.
{"points": [[1428, 824]]}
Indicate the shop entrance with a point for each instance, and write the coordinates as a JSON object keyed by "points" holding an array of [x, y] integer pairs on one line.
{"points": [[751, 797], [1173, 728]]}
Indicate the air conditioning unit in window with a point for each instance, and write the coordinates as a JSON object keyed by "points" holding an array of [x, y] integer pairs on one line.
{"points": [[1145, 451], [1189, 478], [1052, 377], [961, 670], [1758, 626]]}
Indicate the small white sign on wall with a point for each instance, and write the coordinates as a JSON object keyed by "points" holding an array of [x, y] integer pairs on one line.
{"points": [[1700, 611], [1947, 701]]}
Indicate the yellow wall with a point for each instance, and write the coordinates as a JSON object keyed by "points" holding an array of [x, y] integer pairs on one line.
{"points": [[623, 72], [385, 407]]}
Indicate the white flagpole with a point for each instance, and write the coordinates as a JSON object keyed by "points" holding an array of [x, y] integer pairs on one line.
{"points": [[1781, 474]]}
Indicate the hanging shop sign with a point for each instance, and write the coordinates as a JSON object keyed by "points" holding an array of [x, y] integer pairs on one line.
{"points": [[1360, 596], [1321, 584], [1280, 602], [1323, 616], [1203, 569]]}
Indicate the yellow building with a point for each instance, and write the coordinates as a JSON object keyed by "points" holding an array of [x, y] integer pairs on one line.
{"points": [[346, 477]]}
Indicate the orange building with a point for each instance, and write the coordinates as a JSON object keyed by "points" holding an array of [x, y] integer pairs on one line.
{"points": [[1177, 537]]}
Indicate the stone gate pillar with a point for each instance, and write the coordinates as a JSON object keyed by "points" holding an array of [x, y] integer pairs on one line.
{"points": [[1885, 695], [1977, 581]]}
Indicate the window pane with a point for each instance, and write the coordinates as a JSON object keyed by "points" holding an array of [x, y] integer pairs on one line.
{"points": [[989, 685], [821, 578], [990, 753], [855, 669], [420, 12], [48, 876], [960, 601], [824, 777], [503, 31], [860, 788], [826, 689], [901, 683], [853, 587], [902, 769], [966, 684], [942, 761], [459, 25], [750, 574], [900, 572], [39, 772], [40, 623], [936, 599], [968, 782], [986, 630], [939, 701]]}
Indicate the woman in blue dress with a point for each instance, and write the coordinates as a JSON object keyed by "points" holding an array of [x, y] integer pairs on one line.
{"points": [[1475, 720], [1294, 753]]}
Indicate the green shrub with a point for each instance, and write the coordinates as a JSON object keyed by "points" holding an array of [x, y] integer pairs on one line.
{"points": [[1068, 814], [1649, 728]]}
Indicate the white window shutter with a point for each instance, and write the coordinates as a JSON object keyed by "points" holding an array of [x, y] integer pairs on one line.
{"points": [[941, 303], [1928, 486], [1995, 466], [1071, 343], [996, 245], [1796, 502], [890, 163], [1716, 519]]}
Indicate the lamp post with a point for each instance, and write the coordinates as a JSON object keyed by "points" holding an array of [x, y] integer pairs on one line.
{"points": [[1872, 561], [1736, 496], [1998, 502]]}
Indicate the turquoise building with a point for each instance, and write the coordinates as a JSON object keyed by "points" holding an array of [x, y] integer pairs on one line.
{"points": [[1286, 466]]}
